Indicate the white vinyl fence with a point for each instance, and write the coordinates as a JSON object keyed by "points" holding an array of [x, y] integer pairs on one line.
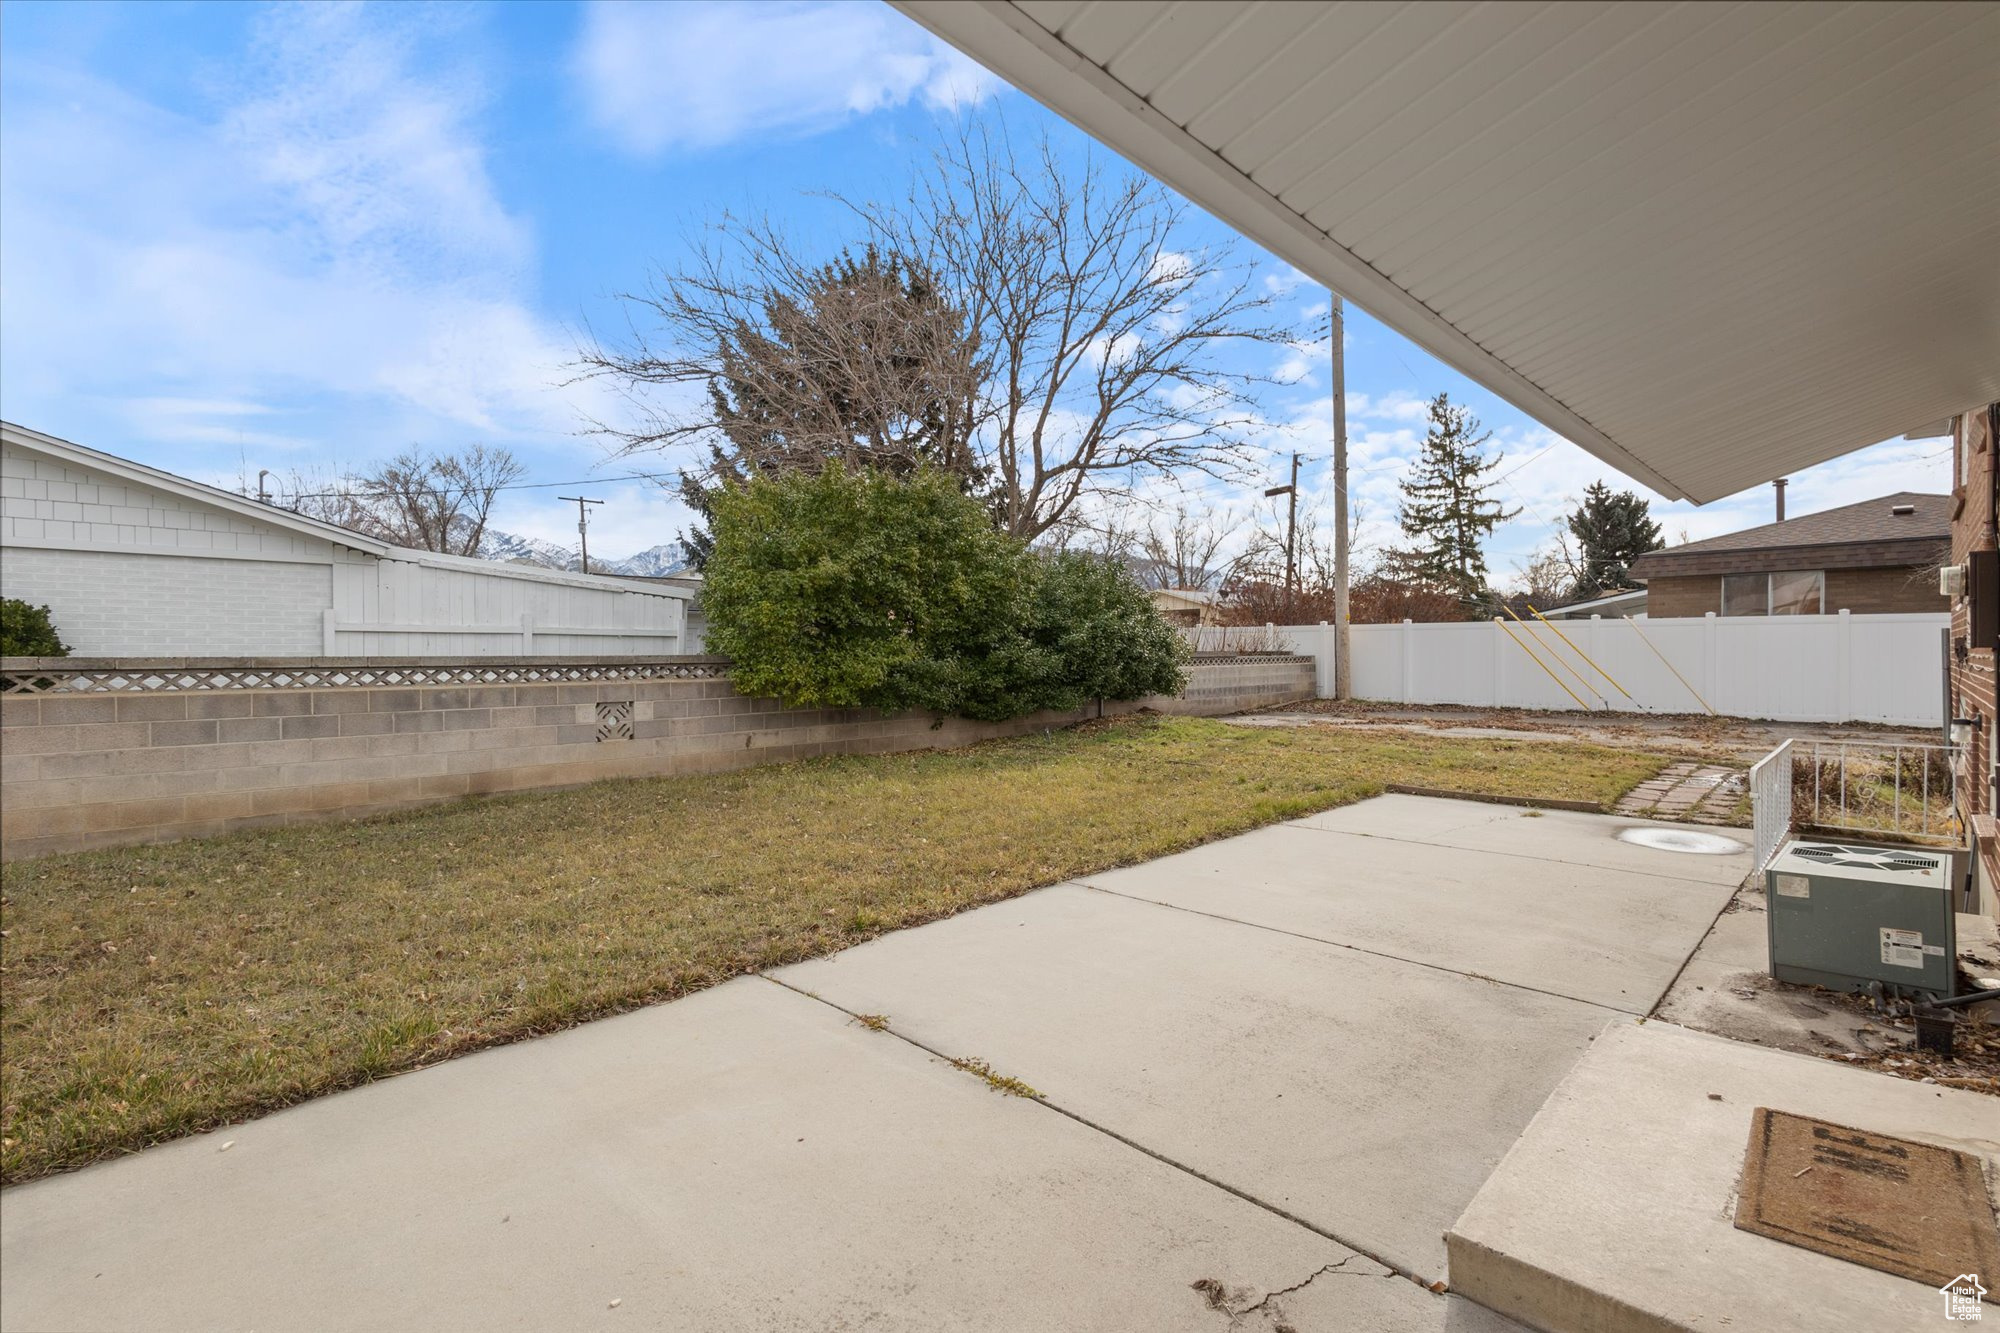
{"points": [[1837, 668], [467, 608]]}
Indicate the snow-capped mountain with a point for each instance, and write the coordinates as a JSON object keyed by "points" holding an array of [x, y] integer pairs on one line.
{"points": [[511, 547], [508, 546], [651, 563]]}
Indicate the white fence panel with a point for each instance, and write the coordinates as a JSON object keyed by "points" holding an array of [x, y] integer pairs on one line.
{"points": [[1883, 689], [396, 608], [1837, 668], [1378, 661]]}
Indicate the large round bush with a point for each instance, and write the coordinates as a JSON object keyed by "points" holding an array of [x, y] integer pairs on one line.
{"points": [[846, 589]]}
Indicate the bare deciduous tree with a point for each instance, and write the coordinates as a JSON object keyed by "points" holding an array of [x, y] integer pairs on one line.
{"points": [[424, 500], [1092, 340], [1552, 575], [1183, 549], [1110, 533], [1101, 334]]}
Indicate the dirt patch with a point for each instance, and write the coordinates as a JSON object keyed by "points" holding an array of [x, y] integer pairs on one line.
{"points": [[1695, 733]]}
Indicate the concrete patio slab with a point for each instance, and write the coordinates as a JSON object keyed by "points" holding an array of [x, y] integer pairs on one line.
{"points": [[1609, 937], [1615, 1211], [1549, 835], [744, 1158], [1366, 1095]]}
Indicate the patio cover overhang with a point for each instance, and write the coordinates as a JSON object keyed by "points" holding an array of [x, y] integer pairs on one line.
{"points": [[1710, 243]]}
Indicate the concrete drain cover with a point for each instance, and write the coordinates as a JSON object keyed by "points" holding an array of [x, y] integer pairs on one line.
{"points": [[1681, 840], [1913, 1209]]}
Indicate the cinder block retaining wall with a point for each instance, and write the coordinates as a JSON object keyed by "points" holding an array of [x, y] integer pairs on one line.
{"points": [[96, 769]]}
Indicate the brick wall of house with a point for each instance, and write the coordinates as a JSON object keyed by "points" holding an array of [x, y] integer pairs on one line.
{"points": [[1972, 663], [1891, 591], [101, 769], [105, 600], [1885, 591], [1667, 598]]}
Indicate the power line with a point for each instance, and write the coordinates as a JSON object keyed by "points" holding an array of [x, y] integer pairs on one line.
{"points": [[513, 486]]}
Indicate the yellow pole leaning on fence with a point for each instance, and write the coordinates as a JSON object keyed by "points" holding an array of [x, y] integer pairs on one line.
{"points": [[1557, 657], [1579, 652], [1633, 621], [1538, 662]]}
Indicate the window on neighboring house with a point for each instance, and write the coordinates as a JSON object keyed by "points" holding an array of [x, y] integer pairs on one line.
{"points": [[1746, 594], [1798, 592], [1792, 592]]}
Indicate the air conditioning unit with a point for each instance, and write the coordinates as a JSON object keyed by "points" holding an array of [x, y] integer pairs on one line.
{"points": [[1846, 916], [1951, 581]]}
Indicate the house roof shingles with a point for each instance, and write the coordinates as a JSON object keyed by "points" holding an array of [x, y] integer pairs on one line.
{"points": [[1868, 533]]}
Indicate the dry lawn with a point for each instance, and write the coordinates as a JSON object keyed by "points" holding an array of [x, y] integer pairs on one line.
{"points": [[150, 992]]}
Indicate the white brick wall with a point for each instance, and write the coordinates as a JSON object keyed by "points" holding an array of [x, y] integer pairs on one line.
{"points": [[45, 501], [107, 604]]}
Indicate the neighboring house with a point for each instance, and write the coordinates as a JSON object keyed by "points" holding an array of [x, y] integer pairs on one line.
{"points": [[1876, 557], [1525, 606], [1186, 606], [1611, 606], [1975, 636], [136, 562]]}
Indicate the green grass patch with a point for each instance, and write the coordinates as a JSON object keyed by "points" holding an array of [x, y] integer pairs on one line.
{"points": [[147, 993]]}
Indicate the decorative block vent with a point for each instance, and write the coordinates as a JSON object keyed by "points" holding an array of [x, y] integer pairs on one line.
{"points": [[614, 720], [147, 677]]}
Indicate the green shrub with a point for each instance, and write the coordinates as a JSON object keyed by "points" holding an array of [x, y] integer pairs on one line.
{"points": [[27, 631], [857, 589]]}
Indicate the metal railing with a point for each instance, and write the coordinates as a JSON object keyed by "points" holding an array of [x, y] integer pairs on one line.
{"points": [[1771, 802], [1893, 789], [1903, 789]]}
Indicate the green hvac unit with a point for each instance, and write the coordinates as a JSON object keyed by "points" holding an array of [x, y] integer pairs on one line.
{"points": [[1850, 917]]}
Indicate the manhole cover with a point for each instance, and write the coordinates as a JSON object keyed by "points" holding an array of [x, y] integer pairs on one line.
{"points": [[1907, 1208], [1681, 840]]}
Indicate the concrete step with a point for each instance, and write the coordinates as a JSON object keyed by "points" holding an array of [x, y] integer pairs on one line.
{"points": [[1615, 1210]]}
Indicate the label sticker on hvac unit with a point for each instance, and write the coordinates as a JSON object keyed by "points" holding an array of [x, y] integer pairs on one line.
{"points": [[1903, 948], [1794, 886]]}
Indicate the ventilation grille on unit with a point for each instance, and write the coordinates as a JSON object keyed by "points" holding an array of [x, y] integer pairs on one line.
{"points": [[1865, 858]]}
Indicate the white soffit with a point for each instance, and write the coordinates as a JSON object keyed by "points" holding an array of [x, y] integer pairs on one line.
{"points": [[1710, 243]]}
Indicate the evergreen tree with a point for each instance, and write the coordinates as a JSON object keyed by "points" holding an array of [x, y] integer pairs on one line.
{"points": [[1612, 529], [1447, 510], [865, 364]]}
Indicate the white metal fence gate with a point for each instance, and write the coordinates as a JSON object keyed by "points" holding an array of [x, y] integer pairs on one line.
{"points": [[1771, 803]]}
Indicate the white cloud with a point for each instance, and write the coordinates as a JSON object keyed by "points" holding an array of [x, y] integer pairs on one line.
{"points": [[1281, 278], [696, 75], [378, 154], [327, 248]]}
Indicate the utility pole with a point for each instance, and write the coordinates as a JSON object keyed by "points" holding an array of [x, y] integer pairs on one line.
{"points": [[1343, 674], [1292, 545], [582, 526], [1291, 537]]}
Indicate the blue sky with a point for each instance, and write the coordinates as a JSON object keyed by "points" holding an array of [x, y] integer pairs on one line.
{"points": [[235, 237]]}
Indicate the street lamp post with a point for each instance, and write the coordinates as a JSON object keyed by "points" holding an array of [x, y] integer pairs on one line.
{"points": [[1291, 492]]}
